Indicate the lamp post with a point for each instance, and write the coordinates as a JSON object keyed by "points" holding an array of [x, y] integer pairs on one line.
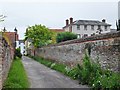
{"points": [[15, 41], [15, 35]]}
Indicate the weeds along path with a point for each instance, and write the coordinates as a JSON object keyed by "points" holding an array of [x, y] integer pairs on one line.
{"points": [[41, 76]]}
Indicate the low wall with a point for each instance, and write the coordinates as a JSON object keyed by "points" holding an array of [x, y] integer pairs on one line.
{"points": [[6, 57], [102, 48]]}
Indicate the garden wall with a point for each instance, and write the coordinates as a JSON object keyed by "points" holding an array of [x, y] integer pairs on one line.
{"points": [[6, 57], [103, 49]]}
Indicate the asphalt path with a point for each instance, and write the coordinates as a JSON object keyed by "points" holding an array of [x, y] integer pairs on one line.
{"points": [[41, 76]]}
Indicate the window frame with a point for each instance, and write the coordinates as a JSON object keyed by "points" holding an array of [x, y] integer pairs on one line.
{"points": [[92, 27], [85, 27], [78, 27], [106, 28], [99, 27]]}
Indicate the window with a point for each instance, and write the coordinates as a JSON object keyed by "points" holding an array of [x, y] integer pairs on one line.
{"points": [[85, 35], [85, 27], [106, 28], [92, 27], [99, 27], [78, 27]]}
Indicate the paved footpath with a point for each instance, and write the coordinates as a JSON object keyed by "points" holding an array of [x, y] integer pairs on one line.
{"points": [[41, 76]]}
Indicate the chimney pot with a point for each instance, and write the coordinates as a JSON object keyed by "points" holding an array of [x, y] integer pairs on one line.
{"points": [[67, 22], [71, 20], [104, 20]]}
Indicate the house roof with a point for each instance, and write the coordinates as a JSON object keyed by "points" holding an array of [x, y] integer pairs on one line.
{"points": [[21, 41], [88, 22], [57, 30], [113, 30], [10, 37]]}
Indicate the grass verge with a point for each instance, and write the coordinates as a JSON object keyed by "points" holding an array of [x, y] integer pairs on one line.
{"points": [[17, 77]]}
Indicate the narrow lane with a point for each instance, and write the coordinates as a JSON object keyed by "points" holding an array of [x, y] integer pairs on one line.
{"points": [[41, 76]]}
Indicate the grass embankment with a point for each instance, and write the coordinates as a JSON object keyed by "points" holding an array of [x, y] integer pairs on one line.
{"points": [[88, 74], [17, 77]]}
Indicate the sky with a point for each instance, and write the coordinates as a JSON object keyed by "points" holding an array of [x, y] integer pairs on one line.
{"points": [[53, 13]]}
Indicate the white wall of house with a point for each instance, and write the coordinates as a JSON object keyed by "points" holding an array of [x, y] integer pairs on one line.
{"points": [[22, 48], [66, 29], [81, 31], [28, 44]]}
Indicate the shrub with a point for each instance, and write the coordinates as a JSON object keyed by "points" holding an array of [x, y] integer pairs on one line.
{"points": [[18, 53], [92, 74], [64, 36]]}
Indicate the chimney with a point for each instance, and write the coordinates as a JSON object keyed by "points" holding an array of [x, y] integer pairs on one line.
{"points": [[67, 22], [104, 20], [71, 20]]}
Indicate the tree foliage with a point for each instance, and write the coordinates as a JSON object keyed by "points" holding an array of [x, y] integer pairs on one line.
{"points": [[39, 34], [18, 53], [2, 18], [64, 36]]}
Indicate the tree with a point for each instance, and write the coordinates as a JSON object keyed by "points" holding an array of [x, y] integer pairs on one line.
{"points": [[64, 36], [39, 34], [18, 53]]}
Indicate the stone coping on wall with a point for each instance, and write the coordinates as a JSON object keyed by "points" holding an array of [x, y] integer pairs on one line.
{"points": [[90, 38]]}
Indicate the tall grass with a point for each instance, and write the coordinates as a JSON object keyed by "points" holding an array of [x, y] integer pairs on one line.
{"points": [[17, 77]]}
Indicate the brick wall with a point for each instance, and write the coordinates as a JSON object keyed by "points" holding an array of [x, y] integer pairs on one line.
{"points": [[6, 57], [0, 61], [102, 48]]}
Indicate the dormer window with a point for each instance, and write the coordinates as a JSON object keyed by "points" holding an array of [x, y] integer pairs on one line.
{"points": [[78, 27], [85, 27]]}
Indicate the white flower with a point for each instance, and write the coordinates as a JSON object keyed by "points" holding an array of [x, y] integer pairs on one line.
{"points": [[52, 65]]}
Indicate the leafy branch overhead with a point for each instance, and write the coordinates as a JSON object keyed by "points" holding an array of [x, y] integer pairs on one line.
{"points": [[2, 18], [39, 34]]}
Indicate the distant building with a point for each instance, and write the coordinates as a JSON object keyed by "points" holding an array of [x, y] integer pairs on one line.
{"points": [[113, 30], [10, 37], [28, 45], [21, 45], [85, 28]]}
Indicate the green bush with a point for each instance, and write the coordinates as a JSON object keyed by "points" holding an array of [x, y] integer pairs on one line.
{"points": [[64, 36], [92, 74], [18, 53]]}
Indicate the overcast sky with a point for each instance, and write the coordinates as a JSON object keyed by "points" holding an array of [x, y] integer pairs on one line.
{"points": [[53, 13]]}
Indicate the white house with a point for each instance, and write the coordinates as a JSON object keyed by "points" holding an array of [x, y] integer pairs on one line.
{"points": [[86, 27], [21, 45], [28, 45]]}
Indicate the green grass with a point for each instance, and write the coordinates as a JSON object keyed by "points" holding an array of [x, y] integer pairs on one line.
{"points": [[52, 65], [17, 77]]}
